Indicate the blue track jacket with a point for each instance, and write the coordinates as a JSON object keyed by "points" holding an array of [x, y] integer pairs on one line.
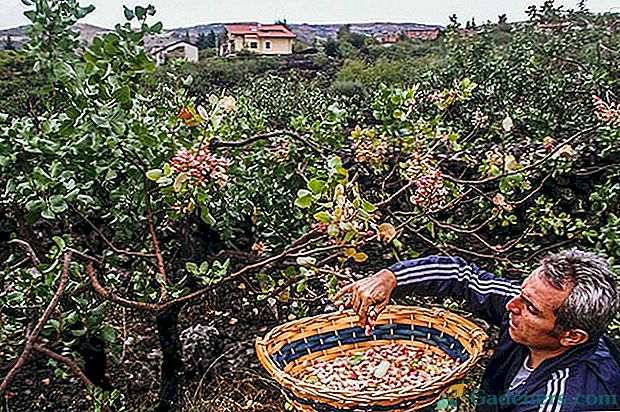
{"points": [[585, 378]]}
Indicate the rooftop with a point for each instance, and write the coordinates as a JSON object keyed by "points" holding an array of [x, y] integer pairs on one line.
{"points": [[259, 30]]}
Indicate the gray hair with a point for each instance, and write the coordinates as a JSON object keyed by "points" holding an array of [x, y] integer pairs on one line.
{"points": [[593, 300]]}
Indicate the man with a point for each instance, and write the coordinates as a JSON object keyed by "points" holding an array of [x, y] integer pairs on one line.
{"points": [[551, 355]]}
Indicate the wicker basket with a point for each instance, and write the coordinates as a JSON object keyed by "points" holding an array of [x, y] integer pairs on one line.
{"points": [[320, 338]]}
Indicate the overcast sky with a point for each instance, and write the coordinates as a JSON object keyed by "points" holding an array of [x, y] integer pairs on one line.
{"points": [[180, 13]]}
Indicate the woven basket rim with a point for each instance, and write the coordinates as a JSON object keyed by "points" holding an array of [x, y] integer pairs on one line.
{"points": [[477, 336]]}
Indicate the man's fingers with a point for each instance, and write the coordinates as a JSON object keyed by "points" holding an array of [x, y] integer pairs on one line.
{"points": [[342, 291], [363, 312], [381, 305], [355, 301]]}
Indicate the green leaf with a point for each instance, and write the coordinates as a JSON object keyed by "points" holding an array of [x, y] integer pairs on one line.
{"points": [[316, 185], [191, 267], [79, 332], [108, 334], [332, 230], [303, 192], [140, 12], [35, 206], [57, 203], [368, 207], [129, 14], [342, 175], [59, 241], [99, 309], [157, 27], [100, 121], [323, 217], [188, 80], [206, 216], [178, 181], [306, 261], [154, 174], [348, 236], [48, 214], [85, 199], [304, 202], [301, 285], [122, 94]]}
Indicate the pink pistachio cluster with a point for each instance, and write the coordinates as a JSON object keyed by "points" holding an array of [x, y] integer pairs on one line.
{"points": [[380, 368], [480, 119], [607, 112], [201, 166], [429, 189]]}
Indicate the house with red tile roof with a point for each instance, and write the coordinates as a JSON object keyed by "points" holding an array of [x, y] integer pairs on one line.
{"points": [[423, 34], [387, 39], [259, 38]]}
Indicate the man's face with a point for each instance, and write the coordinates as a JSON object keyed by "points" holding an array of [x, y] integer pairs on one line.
{"points": [[532, 320]]}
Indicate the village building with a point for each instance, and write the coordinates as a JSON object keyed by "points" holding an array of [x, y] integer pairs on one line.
{"points": [[174, 50], [423, 34], [387, 39], [262, 39]]}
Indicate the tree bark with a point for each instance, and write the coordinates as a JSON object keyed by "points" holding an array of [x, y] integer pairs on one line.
{"points": [[172, 363]]}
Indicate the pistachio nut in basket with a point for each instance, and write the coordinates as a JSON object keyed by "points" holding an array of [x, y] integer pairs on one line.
{"points": [[329, 363]]}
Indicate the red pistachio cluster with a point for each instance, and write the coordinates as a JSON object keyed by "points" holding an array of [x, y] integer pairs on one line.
{"points": [[607, 112], [429, 189], [480, 119], [201, 166], [380, 368]]}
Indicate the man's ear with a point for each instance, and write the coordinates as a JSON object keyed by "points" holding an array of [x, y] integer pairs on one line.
{"points": [[573, 337]]}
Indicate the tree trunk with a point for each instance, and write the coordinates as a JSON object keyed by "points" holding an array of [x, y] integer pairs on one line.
{"points": [[95, 360], [172, 363]]}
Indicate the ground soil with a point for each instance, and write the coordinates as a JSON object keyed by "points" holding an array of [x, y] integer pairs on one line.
{"points": [[231, 380]]}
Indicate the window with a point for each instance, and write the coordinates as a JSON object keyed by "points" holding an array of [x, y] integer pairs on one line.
{"points": [[253, 45], [268, 45]]}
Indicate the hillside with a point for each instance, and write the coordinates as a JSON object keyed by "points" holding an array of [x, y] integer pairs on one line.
{"points": [[306, 33]]}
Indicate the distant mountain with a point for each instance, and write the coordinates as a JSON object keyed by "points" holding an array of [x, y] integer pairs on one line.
{"points": [[306, 33], [19, 36], [309, 32]]}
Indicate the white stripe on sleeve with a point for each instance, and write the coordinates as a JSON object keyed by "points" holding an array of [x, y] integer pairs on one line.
{"points": [[449, 271], [554, 396]]}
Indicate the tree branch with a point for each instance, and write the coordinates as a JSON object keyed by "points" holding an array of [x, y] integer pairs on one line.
{"points": [[106, 294], [524, 169], [29, 250], [34, 335], [156, 307], [214, 144], [400, 191], [109, 243], [160, 260], [68, 362]]}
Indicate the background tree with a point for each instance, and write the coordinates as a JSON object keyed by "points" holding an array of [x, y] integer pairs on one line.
{"points": [[332, 48], [8, 43], [201, 41], [502, 23], [211, 39]]}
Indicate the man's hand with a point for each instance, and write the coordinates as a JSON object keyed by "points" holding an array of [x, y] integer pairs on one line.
{"points": [[372, 291]]}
